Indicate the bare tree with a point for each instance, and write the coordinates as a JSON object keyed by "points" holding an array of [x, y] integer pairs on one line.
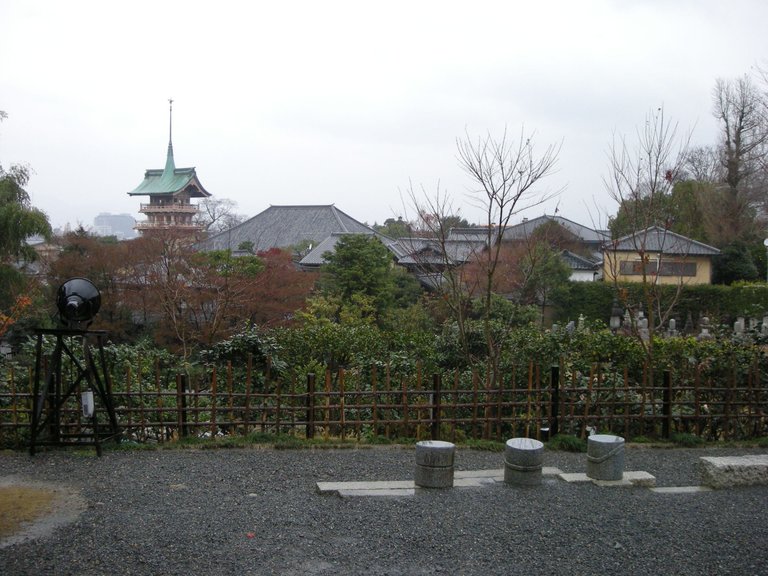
{"points": [[217, 215], [703, 165], [436, 258], [742, 110], [641, 176], [505, 173]]}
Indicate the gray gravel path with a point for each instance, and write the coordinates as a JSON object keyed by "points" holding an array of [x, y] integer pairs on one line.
{"points": [[257, 512]]}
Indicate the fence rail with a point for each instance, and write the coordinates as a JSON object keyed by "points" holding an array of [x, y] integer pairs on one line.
{"points": [[531, 401]]}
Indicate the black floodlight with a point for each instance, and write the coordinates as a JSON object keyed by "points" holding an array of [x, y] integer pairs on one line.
{"points": [[78, 301]]}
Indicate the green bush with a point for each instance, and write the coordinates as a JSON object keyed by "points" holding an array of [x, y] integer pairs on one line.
{"points": [[722, 304], [567, 443], [686, 440]]}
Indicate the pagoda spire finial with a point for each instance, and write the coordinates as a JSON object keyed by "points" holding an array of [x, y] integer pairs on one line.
{"points": [[170, 121], [170, 165]]}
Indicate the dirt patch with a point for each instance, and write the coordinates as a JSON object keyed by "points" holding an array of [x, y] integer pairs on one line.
{"points": [[31, 509], [21, 505]]}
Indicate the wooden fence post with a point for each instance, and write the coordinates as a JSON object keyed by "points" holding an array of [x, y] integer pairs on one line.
{"points": [[666, 406], [181, 404], [278, 399], [213, 402], [159, 401], [310, 431], [248, 386], [342, 403], [554, 401], [435, 417]]}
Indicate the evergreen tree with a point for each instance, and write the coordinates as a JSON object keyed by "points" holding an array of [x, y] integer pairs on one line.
{"points": [[18, 221], [360, 265]]}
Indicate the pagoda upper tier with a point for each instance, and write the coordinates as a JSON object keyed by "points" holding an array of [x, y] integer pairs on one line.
{"points": [[170, 190]]}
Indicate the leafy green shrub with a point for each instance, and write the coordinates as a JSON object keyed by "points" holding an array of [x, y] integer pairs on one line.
{"points": [[686, 440], [376, 439], [642, 440], [723, 304], [567, 443], [485, 445]]}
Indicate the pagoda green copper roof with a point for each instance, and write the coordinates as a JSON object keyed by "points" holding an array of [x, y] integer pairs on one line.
{"points": [[170, 180]]}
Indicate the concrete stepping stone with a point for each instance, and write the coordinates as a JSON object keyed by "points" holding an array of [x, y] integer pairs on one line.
{"points": [[729, 471]]}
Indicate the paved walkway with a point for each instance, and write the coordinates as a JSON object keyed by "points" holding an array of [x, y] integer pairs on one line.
{"points": [[479, 478]]}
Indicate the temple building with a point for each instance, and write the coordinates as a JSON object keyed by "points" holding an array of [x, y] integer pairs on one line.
{"points": [[170, 190]]}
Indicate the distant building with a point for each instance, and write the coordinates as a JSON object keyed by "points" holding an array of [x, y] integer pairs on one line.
{"points": [[121, 226], [428, 258], [170, 190], [294, 227], [562, 232], [582, 269], [660, 254]]}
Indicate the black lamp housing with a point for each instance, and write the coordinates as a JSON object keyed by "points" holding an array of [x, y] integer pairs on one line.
{"points": [[78, 301]]}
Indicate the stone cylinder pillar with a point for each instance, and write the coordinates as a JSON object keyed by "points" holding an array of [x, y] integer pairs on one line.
{"points": [[523, 459], [434, 464], [605, 457]]}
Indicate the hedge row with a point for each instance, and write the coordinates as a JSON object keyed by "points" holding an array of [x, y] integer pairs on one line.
{"points": [[722, 304]]}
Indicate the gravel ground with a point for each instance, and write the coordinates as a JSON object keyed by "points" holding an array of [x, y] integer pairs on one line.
{"points": [[257, 512]]}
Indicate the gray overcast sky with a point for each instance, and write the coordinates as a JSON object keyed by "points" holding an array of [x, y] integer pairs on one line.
{"points": [[318, 102]]}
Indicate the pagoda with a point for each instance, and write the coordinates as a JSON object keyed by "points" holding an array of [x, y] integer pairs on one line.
{"points": [[170, 190]]}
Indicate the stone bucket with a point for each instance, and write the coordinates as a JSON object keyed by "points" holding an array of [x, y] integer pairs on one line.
{"points": [[605, 457], [523, 459], [434, 464]]}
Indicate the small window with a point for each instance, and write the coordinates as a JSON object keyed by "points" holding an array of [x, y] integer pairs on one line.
{"points": [[677, 268], [635, 267], [667, 268]]}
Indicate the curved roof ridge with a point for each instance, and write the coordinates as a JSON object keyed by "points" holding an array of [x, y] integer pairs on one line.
{"points": [[301, 205], [335, 213], [655, 237], [285, 226]]}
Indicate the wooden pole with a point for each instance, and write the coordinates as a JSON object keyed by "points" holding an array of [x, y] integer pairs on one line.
{"points": [[310, 430], [436, 385]]}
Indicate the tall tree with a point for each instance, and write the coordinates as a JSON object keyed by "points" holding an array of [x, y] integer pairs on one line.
{"points": [[105, 264], [217, 214], [19, 220], [394, 228], [641, 178], [454, 281], [734, 263], [506, 175], [742, 110], [544, 272], [281, 291], [680, 208], [198, 297], [360, 266]]}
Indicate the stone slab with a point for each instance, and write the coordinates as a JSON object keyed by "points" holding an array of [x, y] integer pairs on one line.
{"points": [[331, 487], [575, 477], [401, 492], [479, 473], [729, 471], [623, 483], [632, 478], [470, 479], [640, 478], [472, 482], [680, 489]]}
